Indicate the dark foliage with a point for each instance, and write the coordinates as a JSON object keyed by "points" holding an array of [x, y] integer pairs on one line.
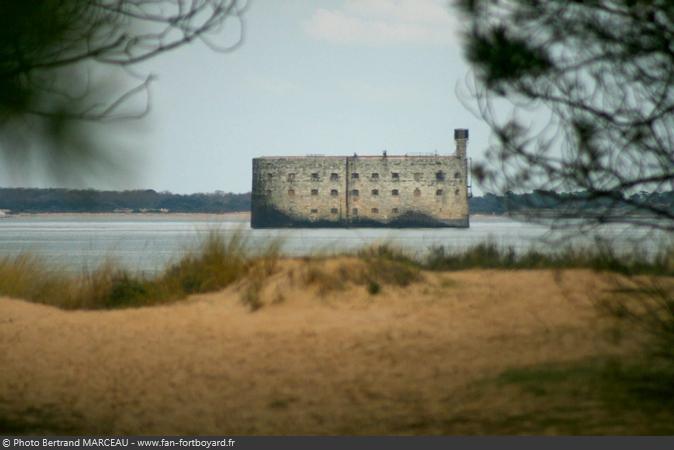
{"points": [[66, 63], [79, 201], [580, 98], [600, 257], [573, 204]]}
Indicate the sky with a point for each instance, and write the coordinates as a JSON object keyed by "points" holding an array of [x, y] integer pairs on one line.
{"points": [[332, 77]]}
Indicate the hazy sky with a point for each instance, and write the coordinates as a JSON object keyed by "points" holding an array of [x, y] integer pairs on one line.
{"points": [[321, 77]]}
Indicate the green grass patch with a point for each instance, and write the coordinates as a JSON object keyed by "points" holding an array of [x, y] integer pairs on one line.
{"points": [[601, 396], [591, 397], [600, 257], [45, 420]]}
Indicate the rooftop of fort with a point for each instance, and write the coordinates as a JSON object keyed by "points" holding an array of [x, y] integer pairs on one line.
{"points": [[405, 156], [460, 135]]}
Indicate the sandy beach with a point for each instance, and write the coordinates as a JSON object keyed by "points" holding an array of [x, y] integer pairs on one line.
{"points": [[307, 362]]}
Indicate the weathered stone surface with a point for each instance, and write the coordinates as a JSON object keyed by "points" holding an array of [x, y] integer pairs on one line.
{"points": [[361, 191]]}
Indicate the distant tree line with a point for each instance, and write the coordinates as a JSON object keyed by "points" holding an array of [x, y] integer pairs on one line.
{"points": [[29, 200], [572, 204], [32, 200]]}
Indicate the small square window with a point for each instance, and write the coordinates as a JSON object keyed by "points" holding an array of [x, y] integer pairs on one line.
{"points": [[456, 192], [291, 192], [375, 176], [457, 175], [291, 177], [375, 191], [334, 176], [315, 177], [417, 176], [440, 176], [375, 210], [394, 210], [395, 176], [334, 193], [355, 193], [438, 192], [314, 192], [354, 211], [333, 210], [354, 176], [314, 211], [417, 193], [395, 192]]}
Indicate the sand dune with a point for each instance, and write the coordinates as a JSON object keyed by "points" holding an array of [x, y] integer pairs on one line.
{"points": [[344, 362]]}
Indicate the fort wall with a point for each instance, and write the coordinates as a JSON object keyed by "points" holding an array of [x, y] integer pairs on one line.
{"points": [[353, 191]]}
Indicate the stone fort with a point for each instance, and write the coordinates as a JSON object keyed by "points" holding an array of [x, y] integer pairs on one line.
{"points": [[362, 191]]}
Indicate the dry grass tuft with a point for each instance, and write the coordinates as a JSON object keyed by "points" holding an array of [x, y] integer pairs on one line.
{"points": [[389, 265], [217, 263], [26, 277], [374, 267], [326, 281]]}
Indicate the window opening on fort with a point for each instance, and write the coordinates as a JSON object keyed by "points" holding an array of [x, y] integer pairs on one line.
{"points": [[314, 176], [314, 192], [438, 192], [394, 210], [375, 176], [355, 193], [375, 211], [314, 211], [334, 176], [333, 210], [456, 192], [291, 192], [417, 193], [291, 177], [457, 175], [334, 192], [354, 176], [440, 176], [354, 211], [395, 176], [375, 191], [417, 176], [395, 192]]}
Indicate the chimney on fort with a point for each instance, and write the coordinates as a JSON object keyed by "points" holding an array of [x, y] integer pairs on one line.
{"points": [[461, 138]]}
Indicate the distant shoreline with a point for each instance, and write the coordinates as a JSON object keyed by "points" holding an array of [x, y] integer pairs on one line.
{"points": [[237, 216], [240, 216], [150, 203]]}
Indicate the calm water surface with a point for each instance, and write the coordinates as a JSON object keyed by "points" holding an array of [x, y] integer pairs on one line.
{"points": [[148, 243]]}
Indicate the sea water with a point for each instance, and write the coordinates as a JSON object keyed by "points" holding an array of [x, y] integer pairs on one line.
{"points": [[147, 243]]}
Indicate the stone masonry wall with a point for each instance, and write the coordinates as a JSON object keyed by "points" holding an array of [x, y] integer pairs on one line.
{"points": [[330, 191], [298, 189]]}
